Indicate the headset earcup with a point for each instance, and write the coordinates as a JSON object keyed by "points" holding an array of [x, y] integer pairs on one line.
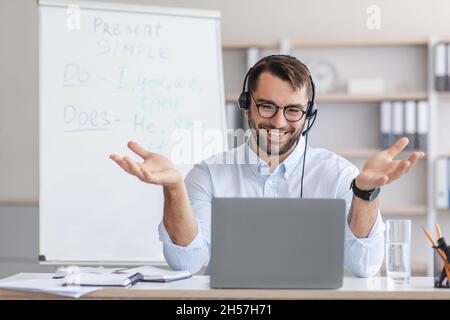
{"points": [[311, 110], [244, 100], [310, 116]]}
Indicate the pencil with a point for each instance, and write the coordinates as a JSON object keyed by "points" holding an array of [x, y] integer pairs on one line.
{"points": [[438, 231], [429, 237], [441, 254], [439, 234]]}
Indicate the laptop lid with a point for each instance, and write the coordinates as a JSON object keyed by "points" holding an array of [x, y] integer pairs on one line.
{"points": [[277, 243]]}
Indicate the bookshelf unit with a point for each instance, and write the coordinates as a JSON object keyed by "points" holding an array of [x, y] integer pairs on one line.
{"points": [[411, 197]]}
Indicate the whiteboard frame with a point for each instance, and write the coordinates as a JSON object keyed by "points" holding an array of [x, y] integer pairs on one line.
{"points": [[123, 7], [199, 13]]}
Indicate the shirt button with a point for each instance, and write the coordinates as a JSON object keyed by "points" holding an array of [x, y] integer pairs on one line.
{"points": [[269, 182]]}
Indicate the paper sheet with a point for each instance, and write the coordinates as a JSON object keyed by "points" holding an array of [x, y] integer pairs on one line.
{"points": [[52, 286]]}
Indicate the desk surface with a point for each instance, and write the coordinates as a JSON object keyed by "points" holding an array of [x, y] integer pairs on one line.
{"points": [[197, 287]]}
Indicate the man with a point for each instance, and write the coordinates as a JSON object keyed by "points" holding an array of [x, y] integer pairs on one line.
{"points": [[279, 92]]}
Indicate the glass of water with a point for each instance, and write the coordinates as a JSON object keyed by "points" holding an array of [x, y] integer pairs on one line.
{"points": [[398, 251]]}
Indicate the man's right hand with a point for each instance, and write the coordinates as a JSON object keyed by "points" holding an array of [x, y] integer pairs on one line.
{"points": [[179, 220], [156, 169]]}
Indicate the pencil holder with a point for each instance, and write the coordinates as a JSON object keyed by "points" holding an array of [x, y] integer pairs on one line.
{"points": [[440, 276]]}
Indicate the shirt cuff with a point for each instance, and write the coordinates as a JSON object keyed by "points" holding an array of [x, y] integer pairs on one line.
{"points": [[164, 236], [373, 237]]}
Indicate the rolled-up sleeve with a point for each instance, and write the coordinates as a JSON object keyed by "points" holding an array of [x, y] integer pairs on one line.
{"points": [[196, 254], [362, 256]]}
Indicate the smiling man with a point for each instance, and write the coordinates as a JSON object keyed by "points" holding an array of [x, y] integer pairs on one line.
{"points": [[274, 137], [278, 162]]}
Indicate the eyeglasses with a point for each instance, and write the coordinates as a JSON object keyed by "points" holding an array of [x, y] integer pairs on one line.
{"points": [[269, 110]]}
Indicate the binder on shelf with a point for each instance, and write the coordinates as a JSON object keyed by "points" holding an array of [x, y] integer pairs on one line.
{"points": [[410, 123], [447, 73], [440, 67], [448, 182], [442, 183], [398, 120], [253, 55], [422, 125], [386, 124], [233, 115]]}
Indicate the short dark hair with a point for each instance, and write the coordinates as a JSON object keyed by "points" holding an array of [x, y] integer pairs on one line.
{"points": [[285, 67]]}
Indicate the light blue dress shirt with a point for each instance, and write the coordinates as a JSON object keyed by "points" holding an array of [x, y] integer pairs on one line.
{"points": [[241, 173]]}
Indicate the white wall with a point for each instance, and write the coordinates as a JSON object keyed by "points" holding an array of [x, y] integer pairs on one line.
{"points": [[242, 20], [248, 20]]}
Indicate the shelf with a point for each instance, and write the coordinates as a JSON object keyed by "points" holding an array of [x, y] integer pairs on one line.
{"points": [[331, 42], [443, 38], [356, 153], [390, 210], [231, 98], [443, 96], [255, 44], [366, 153], [407, 211], [444, 154], [18, 203], [345, 97], [445, 211], [359, 42]]}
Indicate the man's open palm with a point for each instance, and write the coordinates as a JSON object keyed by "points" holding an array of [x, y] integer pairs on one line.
{"points": [[155, 168], [382, 169]]}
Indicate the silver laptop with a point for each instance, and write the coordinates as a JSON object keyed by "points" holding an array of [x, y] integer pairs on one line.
{"points": [[277, 243]]}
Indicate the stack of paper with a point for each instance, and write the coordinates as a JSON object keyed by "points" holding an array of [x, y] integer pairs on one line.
{"points": [[76, 281], [52, 286], [108, 276]]}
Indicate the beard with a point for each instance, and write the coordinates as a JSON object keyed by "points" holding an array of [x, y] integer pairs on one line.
{"points": [[272, 149]]}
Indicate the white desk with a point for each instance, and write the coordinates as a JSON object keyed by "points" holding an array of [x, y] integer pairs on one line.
{"points": [[197, 287]]}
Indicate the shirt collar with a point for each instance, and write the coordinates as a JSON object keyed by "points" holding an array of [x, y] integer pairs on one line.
{"points": [[286, 167]]}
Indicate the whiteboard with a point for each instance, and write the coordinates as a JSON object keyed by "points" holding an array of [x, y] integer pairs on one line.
{"points": [[110, 73]]}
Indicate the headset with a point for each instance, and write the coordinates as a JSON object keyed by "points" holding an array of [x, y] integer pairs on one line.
{"points": [[244, 99], [244, 102]]}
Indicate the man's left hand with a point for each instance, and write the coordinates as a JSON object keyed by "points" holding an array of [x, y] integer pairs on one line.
{"points": [[382, 169]]}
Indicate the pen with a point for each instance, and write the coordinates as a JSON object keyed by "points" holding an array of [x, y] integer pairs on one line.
{"points": [[441, 254], [135, 279]]}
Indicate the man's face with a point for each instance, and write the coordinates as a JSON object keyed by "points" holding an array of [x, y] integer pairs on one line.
{"points": [[276, 135]]}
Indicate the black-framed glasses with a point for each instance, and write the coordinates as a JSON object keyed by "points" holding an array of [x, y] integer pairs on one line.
{"points": [[268, 110]]}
